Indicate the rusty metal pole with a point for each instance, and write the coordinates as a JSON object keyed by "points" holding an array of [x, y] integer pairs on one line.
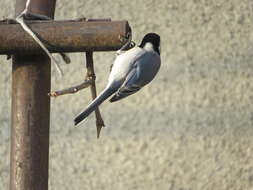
{"points": [[30, 113]]}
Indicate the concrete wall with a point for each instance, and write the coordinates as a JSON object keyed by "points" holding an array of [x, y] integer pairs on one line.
{"points": [[190, 128]]}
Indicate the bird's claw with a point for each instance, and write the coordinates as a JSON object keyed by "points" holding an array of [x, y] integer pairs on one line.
{"points": [[123, 38], [132, 44]]}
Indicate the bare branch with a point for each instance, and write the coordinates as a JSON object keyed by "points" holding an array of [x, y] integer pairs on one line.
{"points": [[89, 81], [91, 74], [73, 89]]}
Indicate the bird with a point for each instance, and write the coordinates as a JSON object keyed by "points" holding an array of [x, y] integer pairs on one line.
{"points": [[131, 71]]}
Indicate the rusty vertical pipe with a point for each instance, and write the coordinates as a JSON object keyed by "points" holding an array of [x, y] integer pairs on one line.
{"points": [[31, 77]]}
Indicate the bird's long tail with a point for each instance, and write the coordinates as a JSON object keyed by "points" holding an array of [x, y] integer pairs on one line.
{"points": [[106, 93]]}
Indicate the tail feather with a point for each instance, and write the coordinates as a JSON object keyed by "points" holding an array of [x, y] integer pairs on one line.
{"points": [[94, 104]]}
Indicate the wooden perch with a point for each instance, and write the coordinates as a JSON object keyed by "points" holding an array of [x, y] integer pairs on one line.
{"points": [[64, 36]]}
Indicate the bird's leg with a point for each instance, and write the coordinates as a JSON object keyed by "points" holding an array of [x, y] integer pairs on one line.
{"points": [[25, 15], [91, 75], [128, 45]]}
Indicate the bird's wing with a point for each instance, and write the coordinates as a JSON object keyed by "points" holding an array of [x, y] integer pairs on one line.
{"points": [[142, 72], [130, 86]]}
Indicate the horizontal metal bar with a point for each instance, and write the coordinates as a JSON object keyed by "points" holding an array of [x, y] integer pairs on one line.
{"points": [[64, 36]]}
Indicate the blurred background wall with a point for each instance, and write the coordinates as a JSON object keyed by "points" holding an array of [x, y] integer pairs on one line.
{"points": [[191, 128]]}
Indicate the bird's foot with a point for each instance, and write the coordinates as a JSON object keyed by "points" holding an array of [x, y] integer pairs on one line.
{"points": [[128, 43]]}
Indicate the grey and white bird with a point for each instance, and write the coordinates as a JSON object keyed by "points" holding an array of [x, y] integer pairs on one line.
{"points": [[131, 71]]}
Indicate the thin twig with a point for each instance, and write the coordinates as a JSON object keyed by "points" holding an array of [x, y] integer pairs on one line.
{"points": [[91, 74], [73, 89]]}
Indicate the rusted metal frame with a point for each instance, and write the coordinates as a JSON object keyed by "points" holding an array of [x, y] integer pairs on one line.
{"points": [[64, 36], [91, 74], [31, 80]]}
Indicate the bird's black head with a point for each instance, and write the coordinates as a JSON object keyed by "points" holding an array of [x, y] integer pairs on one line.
{"points": [[152, 38]]}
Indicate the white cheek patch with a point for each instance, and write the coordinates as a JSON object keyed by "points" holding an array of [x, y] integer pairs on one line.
{"points": [[148, 47]]}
